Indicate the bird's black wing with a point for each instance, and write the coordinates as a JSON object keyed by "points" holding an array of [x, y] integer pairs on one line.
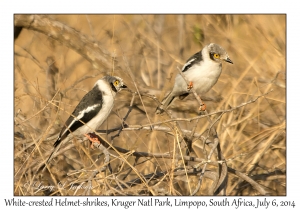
{"points": [[196, 58], [88, 107]]}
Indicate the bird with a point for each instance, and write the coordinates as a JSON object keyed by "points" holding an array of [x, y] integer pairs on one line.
{"points": [[90, 113], [202, 71]]}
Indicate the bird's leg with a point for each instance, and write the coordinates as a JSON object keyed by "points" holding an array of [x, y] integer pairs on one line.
{"points": [[93, 138], [190, 86], [203, 106]]}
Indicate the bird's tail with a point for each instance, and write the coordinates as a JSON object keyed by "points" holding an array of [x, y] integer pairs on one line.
{"points": [[57, 145], [165, 103]]}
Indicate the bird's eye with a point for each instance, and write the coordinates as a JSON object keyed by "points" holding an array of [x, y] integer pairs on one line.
{"points": [[116, 83], [216, 55]]}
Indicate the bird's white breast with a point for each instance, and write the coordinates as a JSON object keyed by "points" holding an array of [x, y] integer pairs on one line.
{"points": [[108, 102], [203, 75]]}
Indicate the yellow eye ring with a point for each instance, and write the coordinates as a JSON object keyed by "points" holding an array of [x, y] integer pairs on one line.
{"points": [[116, 82], [216, 55]]}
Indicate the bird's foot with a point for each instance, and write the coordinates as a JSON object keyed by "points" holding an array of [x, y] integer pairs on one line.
{"points": [[93, 138], [190, 86], [202, 107]]}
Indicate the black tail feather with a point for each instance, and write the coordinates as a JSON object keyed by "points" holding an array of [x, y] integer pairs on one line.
{"points": [[165, 103], [57, 142]]}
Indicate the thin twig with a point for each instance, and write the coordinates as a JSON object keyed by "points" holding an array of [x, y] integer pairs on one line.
{"points": [[125, 118]]}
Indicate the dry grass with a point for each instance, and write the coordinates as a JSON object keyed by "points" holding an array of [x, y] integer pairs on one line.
{"points": [[145, 50]]}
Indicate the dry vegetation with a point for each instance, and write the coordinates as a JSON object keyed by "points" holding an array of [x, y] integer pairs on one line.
{"points": [[58, 58]]}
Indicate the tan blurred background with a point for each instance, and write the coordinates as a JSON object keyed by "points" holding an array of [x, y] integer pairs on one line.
{"points": [[146, 50]]}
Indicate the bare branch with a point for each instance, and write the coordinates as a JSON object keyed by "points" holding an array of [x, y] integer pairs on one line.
{"points": [[87, 48]]}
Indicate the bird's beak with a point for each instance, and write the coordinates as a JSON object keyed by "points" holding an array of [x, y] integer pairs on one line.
{"points": [[123, 86], [228, 60]]}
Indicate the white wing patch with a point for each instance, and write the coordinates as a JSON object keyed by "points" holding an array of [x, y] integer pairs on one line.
{"points": [[80, 115], [188, 63], [86, 110]]}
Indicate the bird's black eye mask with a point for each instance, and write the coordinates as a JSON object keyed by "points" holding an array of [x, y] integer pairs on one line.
{"points": [[211, 55], [113, 87]]}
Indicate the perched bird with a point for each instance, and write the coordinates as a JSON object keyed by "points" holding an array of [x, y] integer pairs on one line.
{"points": [[202, 71], [91, 112]]}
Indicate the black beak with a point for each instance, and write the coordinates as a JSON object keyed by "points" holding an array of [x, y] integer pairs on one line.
{"points": [[228, 60], [123, 86]]}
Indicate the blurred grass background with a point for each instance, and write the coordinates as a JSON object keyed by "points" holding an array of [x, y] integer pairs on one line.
{"points": [[152, 47]]}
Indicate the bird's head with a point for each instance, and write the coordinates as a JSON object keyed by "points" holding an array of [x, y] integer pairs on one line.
{"points": [[218, 54], [116, 83]]}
